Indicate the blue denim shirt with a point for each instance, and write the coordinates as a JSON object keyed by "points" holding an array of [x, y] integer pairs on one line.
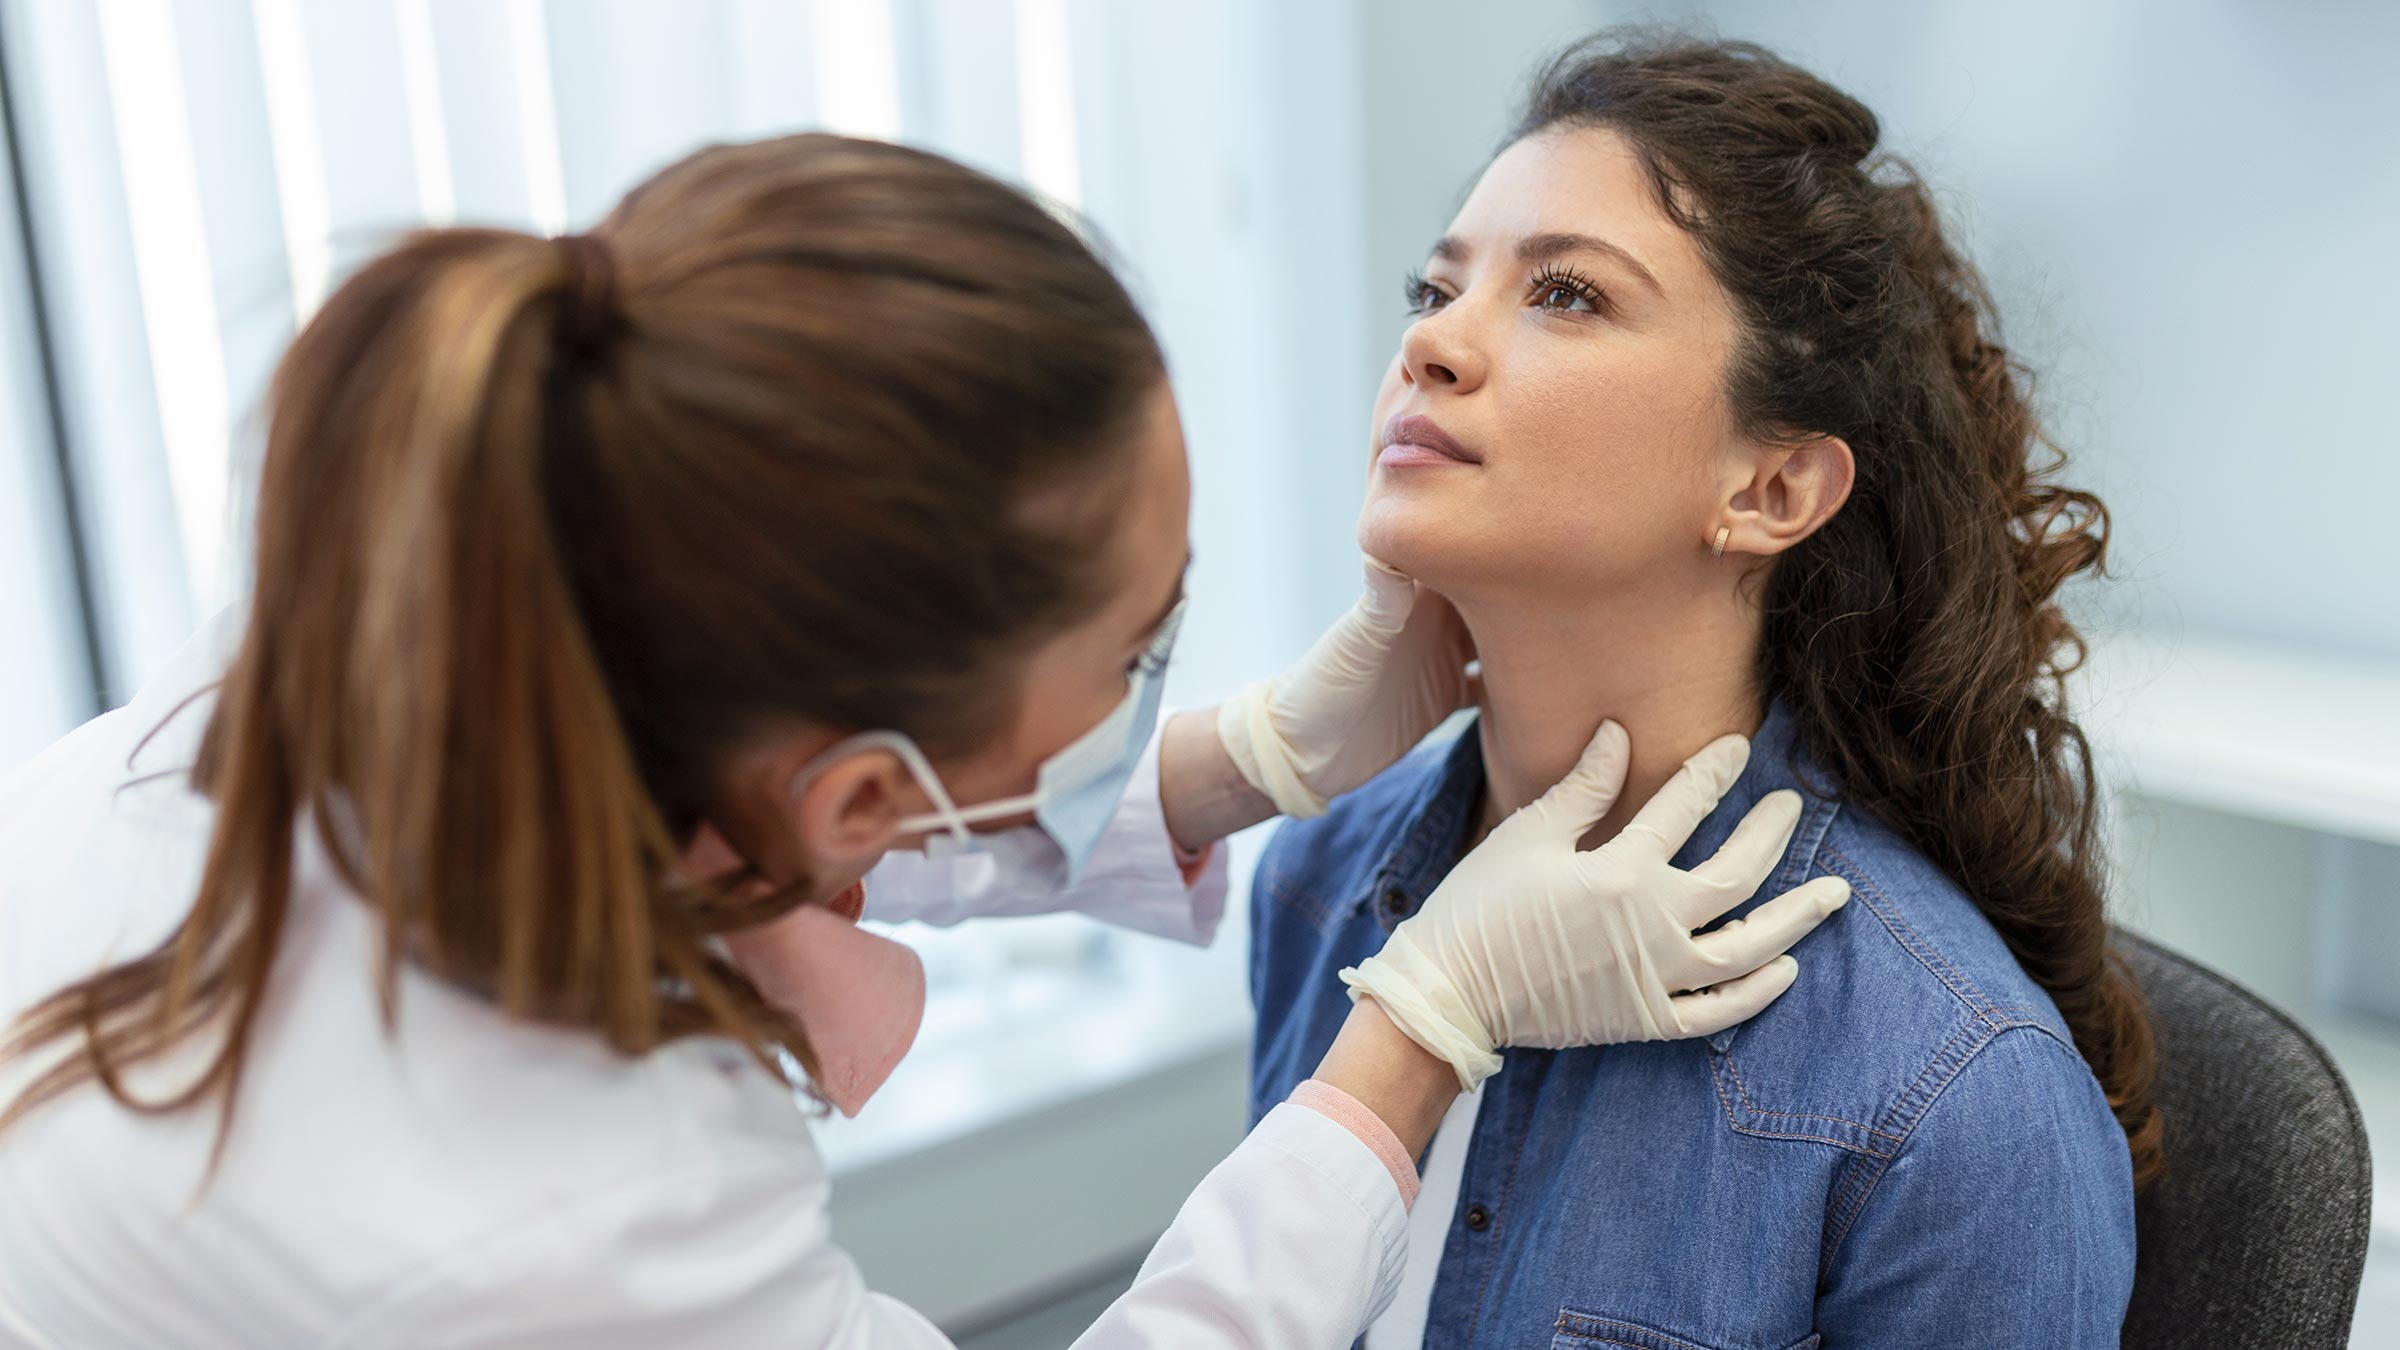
{"points": [[1904, 1151]]}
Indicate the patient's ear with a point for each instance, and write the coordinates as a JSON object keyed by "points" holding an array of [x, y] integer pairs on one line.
{"points": [[1784, 495]]}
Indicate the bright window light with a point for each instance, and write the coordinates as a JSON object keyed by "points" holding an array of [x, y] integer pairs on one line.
{"points": [[537, 116], [1046, 102], [421, 78], [299, 159], [171, 260], [858, 81]]}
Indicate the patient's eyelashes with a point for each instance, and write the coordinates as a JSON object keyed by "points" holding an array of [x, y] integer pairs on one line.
{"points": [[1422, 296], [1554, 287], [1565, 290]]}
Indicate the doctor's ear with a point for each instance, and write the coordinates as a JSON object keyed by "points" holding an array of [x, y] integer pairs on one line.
{"points": [[1783, 494], [850, 812], [836, 826]]}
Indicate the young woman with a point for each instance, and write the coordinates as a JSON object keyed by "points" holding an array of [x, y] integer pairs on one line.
{"points": [[1701, 426], [415, 963]]}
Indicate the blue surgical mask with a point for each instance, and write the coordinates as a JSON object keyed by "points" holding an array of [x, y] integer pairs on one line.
{"points": [[1076, 791]]}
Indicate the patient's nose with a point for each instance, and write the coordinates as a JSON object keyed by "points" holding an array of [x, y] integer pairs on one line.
{"points": [[1435, 353]]}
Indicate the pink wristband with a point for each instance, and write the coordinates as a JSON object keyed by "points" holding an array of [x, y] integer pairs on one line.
{"points": [[1346, 1111]]}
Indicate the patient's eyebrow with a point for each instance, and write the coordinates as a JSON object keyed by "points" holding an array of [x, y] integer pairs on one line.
{"points": [[1544, 247]]}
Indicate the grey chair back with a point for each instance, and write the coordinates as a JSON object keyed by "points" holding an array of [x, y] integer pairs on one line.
{"points": [[2257, 1235]]}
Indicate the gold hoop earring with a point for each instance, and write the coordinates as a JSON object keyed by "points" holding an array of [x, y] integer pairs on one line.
{"points": [[1717, 549]]}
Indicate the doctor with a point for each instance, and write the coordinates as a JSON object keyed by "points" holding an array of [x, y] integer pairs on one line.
{"points": [[429, 957]]}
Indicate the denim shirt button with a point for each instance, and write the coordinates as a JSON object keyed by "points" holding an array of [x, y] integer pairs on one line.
{"points": [[1478, 1218], [1395, 902]]}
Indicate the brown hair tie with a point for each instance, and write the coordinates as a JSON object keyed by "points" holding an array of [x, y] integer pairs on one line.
{"points": [[588, 316]]}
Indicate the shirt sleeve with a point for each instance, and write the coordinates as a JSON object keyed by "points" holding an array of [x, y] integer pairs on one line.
{"points": [[1136, 877], [2009, 1212], [1294, 1242]]}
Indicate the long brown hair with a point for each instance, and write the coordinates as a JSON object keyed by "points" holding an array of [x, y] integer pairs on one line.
{"points": [[1916, 636], [548, 528]]}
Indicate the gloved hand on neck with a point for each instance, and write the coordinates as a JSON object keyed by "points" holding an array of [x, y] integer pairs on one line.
{"points": [[1533, 941]]}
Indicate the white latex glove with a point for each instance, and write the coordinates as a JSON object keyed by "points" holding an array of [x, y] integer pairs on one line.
{"points": [[1531, 941], [1385, 674]]}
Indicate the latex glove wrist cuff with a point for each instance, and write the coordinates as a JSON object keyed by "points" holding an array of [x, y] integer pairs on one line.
{"points": [[1247, 728], [1427, 1008]]}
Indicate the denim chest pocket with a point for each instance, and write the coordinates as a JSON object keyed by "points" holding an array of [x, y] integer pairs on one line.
{"points": [[1590, 1331]]}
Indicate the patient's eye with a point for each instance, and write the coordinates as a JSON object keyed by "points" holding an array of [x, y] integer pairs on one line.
{"points": [[1567, 291], [1423, 296]]}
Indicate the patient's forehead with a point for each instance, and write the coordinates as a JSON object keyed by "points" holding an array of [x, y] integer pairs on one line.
{"points": [[1581, 180]]}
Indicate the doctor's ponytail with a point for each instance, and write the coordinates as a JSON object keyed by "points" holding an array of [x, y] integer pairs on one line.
{"points": [[548, 528]]}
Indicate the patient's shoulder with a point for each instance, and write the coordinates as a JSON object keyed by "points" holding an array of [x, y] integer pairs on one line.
{"points": [[1898, 993], [1922, 931]]}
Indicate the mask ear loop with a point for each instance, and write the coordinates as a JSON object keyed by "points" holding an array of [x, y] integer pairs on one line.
{"points": [[945, 813]]}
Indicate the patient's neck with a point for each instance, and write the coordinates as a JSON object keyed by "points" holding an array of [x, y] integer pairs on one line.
{"points": [[1675, 674]]}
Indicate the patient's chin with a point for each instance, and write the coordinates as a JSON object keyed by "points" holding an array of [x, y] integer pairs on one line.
{"points": [[1413, 536], [1386, 531]]}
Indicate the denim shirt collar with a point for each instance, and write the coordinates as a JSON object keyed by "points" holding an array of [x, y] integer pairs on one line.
{"points": [[1427, 841]]}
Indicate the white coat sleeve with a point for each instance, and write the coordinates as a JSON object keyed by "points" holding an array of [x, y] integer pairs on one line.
{"points": [[1134, 879], [1295, 1242]]}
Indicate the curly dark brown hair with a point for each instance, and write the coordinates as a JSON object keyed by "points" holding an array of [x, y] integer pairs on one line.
{"points": [[1916, 636]]}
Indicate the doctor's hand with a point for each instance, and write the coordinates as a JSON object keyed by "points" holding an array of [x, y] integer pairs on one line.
{"points": [[1385, 674], [1532, 941]]}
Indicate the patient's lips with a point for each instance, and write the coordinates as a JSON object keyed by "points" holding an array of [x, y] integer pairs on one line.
{"points": [[1415, 440]]}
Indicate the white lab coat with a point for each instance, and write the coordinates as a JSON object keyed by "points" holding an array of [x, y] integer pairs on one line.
{"points": [[475, 1181]]}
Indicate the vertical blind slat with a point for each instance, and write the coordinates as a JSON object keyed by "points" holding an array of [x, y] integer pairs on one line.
{"points": [[317, 131], [46, 683], [97, 336], [857, 79], [960, 98], [368, 159], [637, 85], [774, 66], [232, 150], [474, 66]]}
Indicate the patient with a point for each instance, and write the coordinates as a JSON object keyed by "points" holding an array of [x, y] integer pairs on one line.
{"points": [[1701, 426]]}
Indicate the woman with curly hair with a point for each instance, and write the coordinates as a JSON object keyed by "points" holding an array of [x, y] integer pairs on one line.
{"points": [[1702, 428]]}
